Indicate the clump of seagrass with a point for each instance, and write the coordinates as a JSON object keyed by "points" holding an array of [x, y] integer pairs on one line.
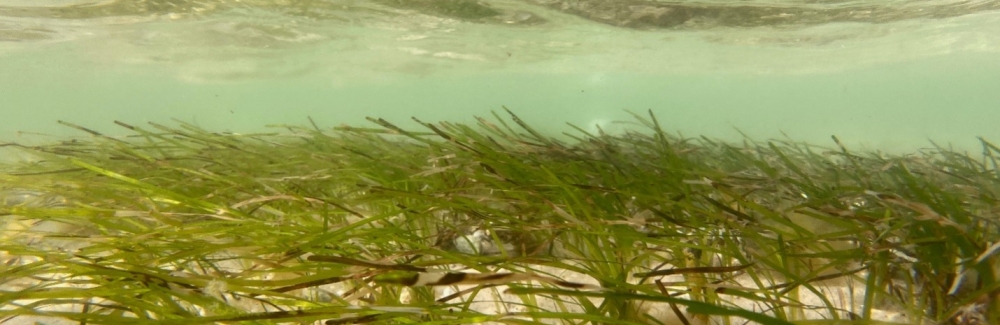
{"points": [[179, 225]]}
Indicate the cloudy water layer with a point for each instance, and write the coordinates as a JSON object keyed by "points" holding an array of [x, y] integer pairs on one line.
{"points": [[888, 75]]}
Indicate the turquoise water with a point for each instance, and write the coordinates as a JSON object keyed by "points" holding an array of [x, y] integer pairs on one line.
{"points": [[239, 66]]}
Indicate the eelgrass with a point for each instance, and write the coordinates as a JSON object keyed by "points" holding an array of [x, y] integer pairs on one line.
{"points": [[179, 225]]}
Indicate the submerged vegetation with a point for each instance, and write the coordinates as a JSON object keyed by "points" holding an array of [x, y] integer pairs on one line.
{"points": [[495, 222]]}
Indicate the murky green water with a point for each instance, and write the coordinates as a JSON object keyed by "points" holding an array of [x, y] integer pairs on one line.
{"points": [[885, 74]]}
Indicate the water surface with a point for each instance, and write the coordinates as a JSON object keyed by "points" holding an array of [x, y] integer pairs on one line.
{"points": [[887, 75]]}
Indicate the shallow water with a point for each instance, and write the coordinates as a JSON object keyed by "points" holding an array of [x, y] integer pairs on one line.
{"points": [[886, 75]]}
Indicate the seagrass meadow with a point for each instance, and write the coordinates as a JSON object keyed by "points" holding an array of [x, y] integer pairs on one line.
{"points": [[493, 223]]}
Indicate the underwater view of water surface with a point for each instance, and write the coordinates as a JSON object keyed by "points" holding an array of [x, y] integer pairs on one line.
{"points": [[889, 75], [499, 161]]}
